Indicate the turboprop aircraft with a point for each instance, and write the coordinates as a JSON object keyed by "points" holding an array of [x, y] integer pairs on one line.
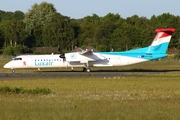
{"points": [[88, 58]]}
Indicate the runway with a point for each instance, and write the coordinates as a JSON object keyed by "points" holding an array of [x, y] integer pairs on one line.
{"points": [[44, 75]]}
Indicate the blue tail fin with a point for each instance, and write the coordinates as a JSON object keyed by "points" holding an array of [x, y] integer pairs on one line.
{"points": [[161, 41]]}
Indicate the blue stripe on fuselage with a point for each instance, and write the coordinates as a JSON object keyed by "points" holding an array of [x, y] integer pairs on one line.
{"points": [[148, 53], [146, 56]]}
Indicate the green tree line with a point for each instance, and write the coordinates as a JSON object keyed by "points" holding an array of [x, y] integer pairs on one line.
{"points": [[43, 26]]}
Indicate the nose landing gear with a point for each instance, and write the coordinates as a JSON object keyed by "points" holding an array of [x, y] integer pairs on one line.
{"points": [[13, 70]]}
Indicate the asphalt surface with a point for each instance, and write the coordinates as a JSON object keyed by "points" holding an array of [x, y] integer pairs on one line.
{"points": [[44, 75], [58, 75]]}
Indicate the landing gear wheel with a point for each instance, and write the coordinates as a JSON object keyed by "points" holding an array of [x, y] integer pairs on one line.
{"points": [[86, 70]]}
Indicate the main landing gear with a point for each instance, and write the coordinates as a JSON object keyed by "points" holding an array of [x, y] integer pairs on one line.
{"points": [[86, 69]]}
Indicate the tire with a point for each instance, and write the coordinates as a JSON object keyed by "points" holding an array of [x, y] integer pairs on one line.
{"points": [[88, 70], [84, 69]]}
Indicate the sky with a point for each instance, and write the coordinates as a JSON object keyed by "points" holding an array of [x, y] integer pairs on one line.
{"points": [[82, 8]]}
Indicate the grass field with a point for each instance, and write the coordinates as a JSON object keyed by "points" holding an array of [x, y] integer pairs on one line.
{"points": [[128, 97]]}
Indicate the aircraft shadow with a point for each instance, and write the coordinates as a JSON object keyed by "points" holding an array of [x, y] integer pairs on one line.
{"points": [[129, 70], [137, 70]]}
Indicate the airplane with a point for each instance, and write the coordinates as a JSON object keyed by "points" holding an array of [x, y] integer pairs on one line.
{"points": [[88, 58]]}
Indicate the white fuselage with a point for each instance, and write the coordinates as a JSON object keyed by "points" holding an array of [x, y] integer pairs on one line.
{"points": [[71, 60]]}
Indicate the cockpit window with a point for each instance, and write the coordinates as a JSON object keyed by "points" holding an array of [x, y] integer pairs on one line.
{"points": [[17, 59]]}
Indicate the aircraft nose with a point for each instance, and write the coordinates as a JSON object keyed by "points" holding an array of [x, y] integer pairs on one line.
{"points": [[8, 65]]}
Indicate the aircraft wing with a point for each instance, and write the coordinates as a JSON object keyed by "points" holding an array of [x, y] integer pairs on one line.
{"points": [[84, 56]]}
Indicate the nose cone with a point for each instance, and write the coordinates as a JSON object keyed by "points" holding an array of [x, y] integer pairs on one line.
{"points": [[8, 65]]}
